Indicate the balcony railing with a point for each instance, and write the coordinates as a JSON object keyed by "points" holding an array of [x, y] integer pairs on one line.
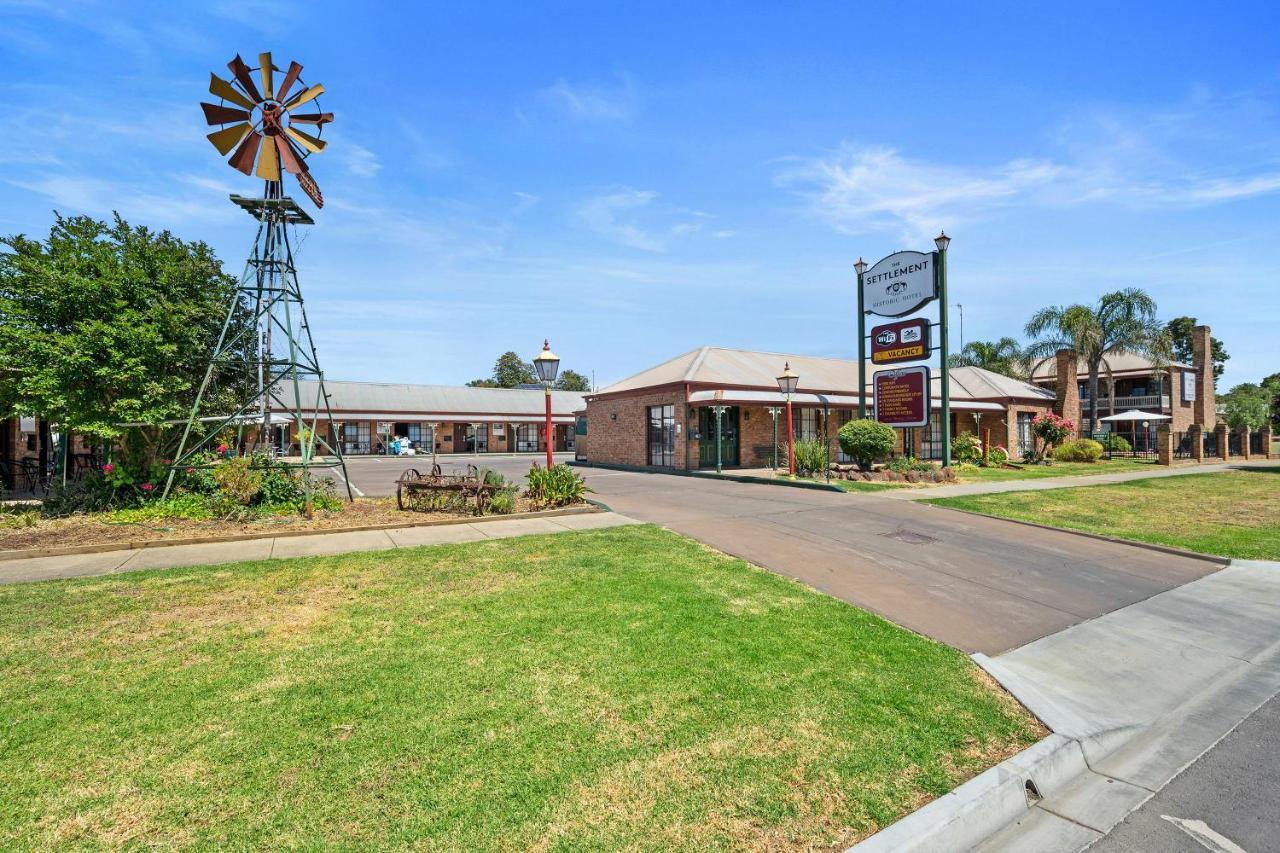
{"points": [[1124, 404]]}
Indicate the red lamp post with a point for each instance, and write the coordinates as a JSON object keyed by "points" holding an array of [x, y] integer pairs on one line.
{"points": [[547, 364], [787, 383]]}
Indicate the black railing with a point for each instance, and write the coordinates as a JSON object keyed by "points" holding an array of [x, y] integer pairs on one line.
{"points": [[1235, 447], [1256, 447], [1182, 446], [1210, 444]]}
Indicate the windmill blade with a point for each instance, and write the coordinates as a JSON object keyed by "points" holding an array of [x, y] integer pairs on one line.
{"points": [[224, 90], [265, 68], [214, 114], [241, 72], [269, 164], [304, 96], [224, 140], [312, 118], [311, 188], [245, 154], [289, 79], [306, 140], [289, 158]]}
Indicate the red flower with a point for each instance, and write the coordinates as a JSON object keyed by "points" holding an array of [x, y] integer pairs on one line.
{"points": [[222, 448], [108, 468], [146, 487], [191, 470]]}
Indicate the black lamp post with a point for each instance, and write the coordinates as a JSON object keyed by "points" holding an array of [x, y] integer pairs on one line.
{"points": [[547, 364], [787, 383]]}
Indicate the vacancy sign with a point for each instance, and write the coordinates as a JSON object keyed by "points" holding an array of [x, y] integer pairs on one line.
{"points": [[907, 340], [899, 284], [902, 396]]}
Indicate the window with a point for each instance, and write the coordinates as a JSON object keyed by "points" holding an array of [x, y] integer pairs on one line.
{"points": [[476, 438], [807, 428], [1026, 440], [499, 430], [355, 437], [527, 438], [843, 416], [931, 437], [662, 436]]}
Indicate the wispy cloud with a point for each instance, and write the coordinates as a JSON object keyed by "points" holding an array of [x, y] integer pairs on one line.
{"points": [[630, 217], [593, 102], [360, 161]]}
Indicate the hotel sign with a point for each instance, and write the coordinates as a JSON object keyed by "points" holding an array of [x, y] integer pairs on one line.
{"points": [[902, 396], [905, 340], [899, 284]]}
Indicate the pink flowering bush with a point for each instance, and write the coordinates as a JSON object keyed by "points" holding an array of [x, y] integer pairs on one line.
{"points": [[1052, 430]]}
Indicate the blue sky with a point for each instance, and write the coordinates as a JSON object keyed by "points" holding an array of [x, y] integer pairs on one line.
{"points": [[635, 181]]}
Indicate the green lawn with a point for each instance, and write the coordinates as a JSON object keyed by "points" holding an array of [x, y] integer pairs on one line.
{"points": [[608, 689], [1059, 469], [1235, 514]]}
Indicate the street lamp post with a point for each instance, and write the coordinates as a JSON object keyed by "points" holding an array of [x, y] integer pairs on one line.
{"points": [[787, 383], [861, 267], [942, 241], [774, 411], [547, 364]]}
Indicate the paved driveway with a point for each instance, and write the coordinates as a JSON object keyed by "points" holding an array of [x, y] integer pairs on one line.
{"points": [[375, 476], [982, 585]]}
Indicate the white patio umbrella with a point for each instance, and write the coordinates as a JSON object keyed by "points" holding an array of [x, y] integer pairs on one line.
{"points": [[1137, 415]]}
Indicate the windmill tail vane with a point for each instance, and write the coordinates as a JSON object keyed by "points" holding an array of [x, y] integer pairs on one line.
{"points": [[262, 128]]}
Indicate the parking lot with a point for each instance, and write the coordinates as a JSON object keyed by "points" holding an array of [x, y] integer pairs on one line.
{"points": [[375, 476]]}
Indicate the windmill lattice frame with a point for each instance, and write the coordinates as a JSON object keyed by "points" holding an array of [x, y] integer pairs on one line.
{"points": [[256, 129]]}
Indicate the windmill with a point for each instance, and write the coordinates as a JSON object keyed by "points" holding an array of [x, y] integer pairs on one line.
{"points": [[266, 134]]}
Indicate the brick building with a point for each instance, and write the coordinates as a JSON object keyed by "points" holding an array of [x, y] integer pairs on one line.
{"points": [[439, 418], [663, 416], [19, 443]]}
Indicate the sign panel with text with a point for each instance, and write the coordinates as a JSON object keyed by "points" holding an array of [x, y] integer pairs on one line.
{"points": [[906, 340], [899, 284], [902, 396]]}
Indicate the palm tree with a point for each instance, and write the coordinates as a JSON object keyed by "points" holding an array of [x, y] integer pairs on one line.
{"points": [[1003, 356], [1123, 321]]}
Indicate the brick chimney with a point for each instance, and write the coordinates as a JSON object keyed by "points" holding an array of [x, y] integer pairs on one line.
{"points": [[1067, 403], [1205, 408]]}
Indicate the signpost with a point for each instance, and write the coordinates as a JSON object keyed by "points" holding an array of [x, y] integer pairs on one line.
{"points": [[902, 396], [906, 340], [895, 286]]}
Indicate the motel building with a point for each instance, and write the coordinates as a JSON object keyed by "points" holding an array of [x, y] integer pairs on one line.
{"points": [[664, 417], [368, 416]]}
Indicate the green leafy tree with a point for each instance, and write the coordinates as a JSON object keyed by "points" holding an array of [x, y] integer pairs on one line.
{"points": [[1247, 406], [106, 323], [1179, 335], [1271, 384], [509, 371], [1003, 356], [572, 380], [866, 441], [1123, 321]]}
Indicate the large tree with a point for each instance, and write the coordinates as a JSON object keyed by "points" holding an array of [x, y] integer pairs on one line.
{"points": [[572, 380], [1247, 405], [511, 371], [1123, 321], [104, 323], [1003, 356], [1179, 333]]}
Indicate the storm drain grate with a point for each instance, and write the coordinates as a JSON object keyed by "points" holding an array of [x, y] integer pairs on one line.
{"points": [[910, 537]]}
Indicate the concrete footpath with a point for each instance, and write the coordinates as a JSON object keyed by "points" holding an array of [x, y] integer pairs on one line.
{"points": [[966, 489], [110, 562], [1133, 697]]}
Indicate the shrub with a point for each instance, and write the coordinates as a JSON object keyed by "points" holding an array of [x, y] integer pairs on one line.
{"points": [[866, 441], [1080, 450], [93, 492], [903, 464], [965, 468], [966, 447], [503, 502], [811, 457], [185, 505], [997, 456], [1052, 430], [1116, 443], [558, 485], [238, 483]]}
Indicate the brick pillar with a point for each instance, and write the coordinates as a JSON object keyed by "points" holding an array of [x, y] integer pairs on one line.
{"points": [[1205, 408], [1067, 402], [1195, 433], [1164, 444], [1244, 442], [1266, 442], [1223, 432]]}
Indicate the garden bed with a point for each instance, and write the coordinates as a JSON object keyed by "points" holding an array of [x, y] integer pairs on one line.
{"points": [[31, 533]]}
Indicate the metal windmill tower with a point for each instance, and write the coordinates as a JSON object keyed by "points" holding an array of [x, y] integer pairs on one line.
{"points": [[263, 128]]}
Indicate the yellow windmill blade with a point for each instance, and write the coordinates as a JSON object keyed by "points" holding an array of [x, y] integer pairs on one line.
{"points": [[268, 87], [224, 90], [227, 138], [306, 140], [269, 164], [304, 96]]}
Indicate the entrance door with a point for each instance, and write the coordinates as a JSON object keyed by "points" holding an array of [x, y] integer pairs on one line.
{"points": [[477, 438], [728, 437]]}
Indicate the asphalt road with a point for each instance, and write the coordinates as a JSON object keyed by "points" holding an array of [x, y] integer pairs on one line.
{"points": [[1230, 796], [975, 583]]}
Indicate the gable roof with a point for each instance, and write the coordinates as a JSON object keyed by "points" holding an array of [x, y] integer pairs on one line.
{"points": [[1123, 363], [755, 369], [442, 400]]}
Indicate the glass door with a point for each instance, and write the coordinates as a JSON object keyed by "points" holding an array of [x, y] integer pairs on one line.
{"points": [[728, 437], [661, 430]]}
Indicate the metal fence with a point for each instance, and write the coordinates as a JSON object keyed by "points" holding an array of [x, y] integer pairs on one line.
{"points": [[1256, 446], [1235, 447], [1210, 444], [1182, 446]]}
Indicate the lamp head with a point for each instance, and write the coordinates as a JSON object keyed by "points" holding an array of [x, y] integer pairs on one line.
{"points": [[547, 364], [942, 241], [860, 266], [788, 381]]}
